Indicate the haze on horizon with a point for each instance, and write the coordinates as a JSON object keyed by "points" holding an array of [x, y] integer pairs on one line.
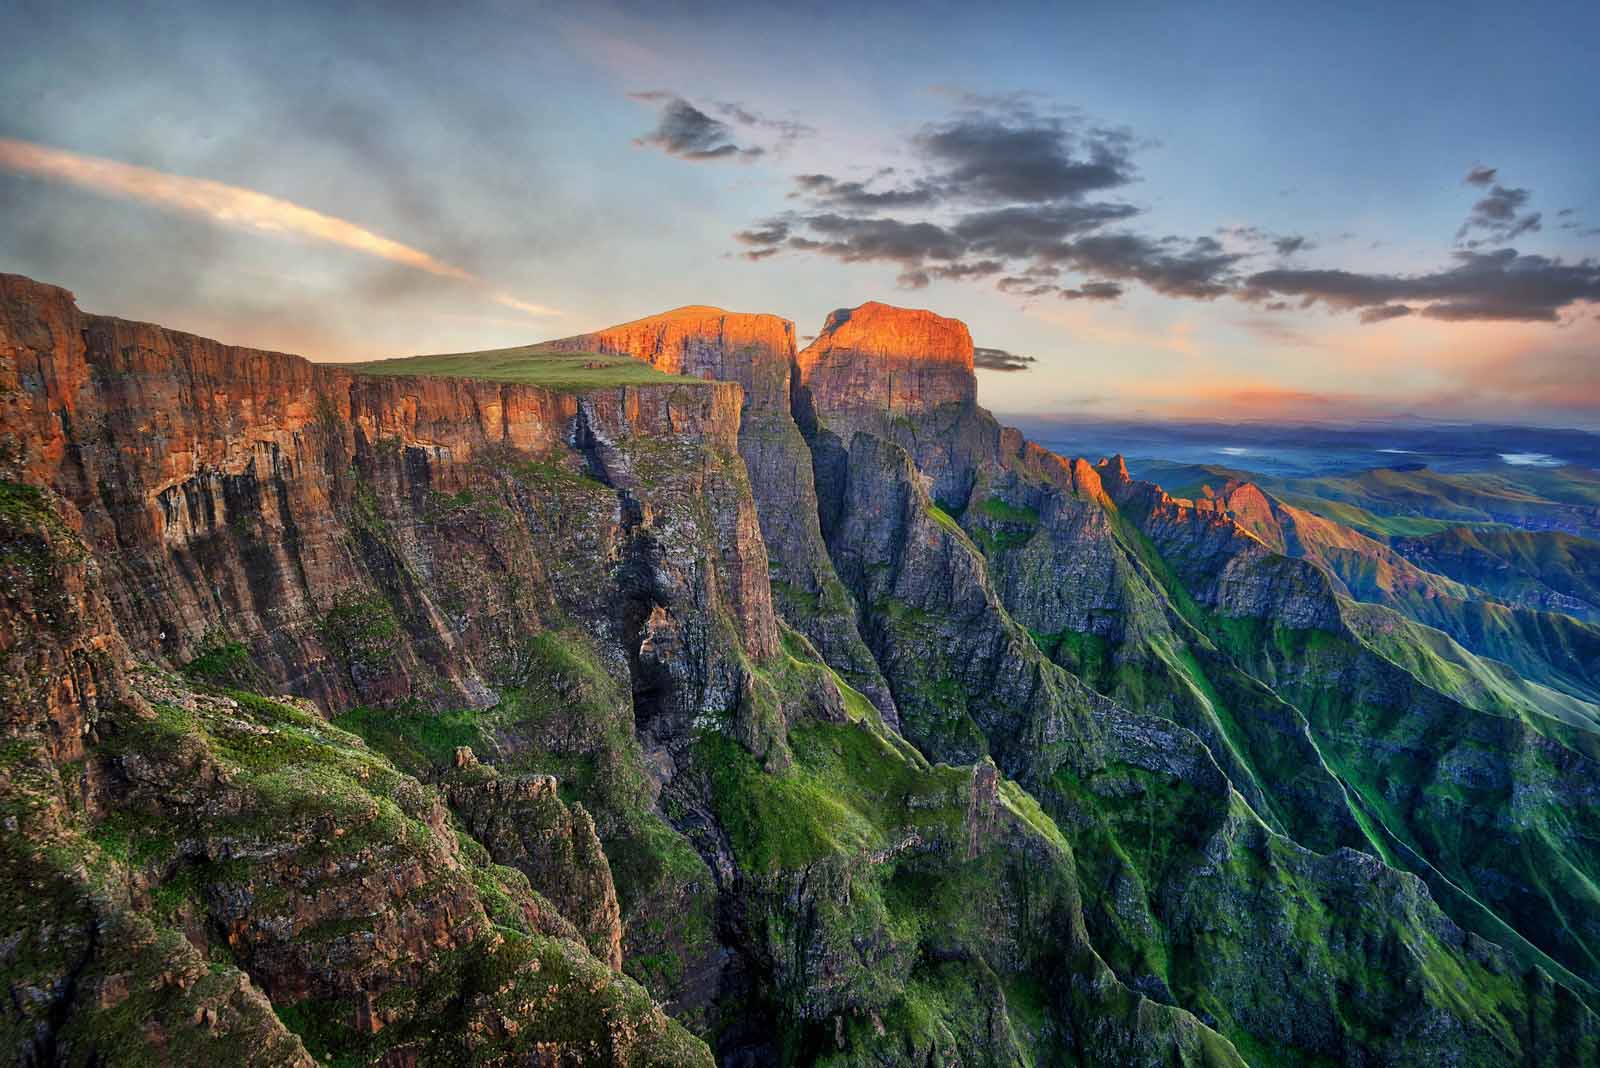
{"points": [[1242, 213]]}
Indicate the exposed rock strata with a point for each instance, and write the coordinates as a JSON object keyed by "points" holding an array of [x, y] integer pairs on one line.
{"points": [[1147, 708], [758, 352]]}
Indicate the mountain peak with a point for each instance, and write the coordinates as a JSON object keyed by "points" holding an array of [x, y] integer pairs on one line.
{"points": [[902, 360], [754, 350], [1114, 471]]}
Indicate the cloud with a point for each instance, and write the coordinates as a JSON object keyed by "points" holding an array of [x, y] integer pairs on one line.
{"points": [[1198, 268], [787, 130], [685, 131], [1384, 312], [1499, 285], [1008, 191], [828, 190], [771, 232], [998, 150], [1024, 157], [1256, 239], [1001, 360], [1034, 231], [858, 240], [235, 206], [1023, 286], [1498, 216], [1093, 291]]}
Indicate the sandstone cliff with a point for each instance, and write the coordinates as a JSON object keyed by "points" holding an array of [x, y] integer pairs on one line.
{"points": [[1161, 792], [758, 352], [752, 350], [888, 359], [239, 493]]}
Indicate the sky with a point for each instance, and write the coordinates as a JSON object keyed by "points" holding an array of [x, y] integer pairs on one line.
{"points": [[1225, 211]]}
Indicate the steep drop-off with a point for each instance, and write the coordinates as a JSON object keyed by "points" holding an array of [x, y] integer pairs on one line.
{"points": [[801, 716]]}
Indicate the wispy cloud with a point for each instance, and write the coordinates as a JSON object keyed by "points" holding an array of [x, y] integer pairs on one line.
{"points": [[988, 359], [231, 205], [685, 131]]}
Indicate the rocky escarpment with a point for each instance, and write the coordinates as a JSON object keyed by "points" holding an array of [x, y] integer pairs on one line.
{"points": [[758, 352], [752, 350], [905, 376], [1172, 568], [385, 543], [523, 823], [1549, 648], [1367, 686], [238, 493], [885, 359], [203, 852], [582, 658]]}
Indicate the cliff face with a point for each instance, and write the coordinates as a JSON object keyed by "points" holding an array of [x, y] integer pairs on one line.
{"points": [[752, 350], [1133, 589], [247, 496], [175, 856], [888, 359], [857, 728], [377, 542], [758, 352]]}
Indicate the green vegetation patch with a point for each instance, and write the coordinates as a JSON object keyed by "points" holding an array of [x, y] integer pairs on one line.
{"points": [[532, 365], [361, 628], [224, 662]]}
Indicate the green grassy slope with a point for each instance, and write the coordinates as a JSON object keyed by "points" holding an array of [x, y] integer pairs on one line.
{"points": [[1537, 569], [531, 365]]}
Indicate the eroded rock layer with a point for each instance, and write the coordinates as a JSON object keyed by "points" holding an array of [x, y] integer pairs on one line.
{"points": [[804, 715]]}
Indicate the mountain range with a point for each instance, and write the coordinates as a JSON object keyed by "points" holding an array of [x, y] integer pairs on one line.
{"points": [[673, 695]]}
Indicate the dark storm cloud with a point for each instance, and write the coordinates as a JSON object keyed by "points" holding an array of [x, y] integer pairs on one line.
{"points": [[1499, 285], [1001, 360], [1481, 176], [1288, 246], [685, 131]]}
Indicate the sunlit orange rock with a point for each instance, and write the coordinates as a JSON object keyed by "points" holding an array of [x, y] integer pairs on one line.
{"points": [[753, 350], [898, 360]]}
